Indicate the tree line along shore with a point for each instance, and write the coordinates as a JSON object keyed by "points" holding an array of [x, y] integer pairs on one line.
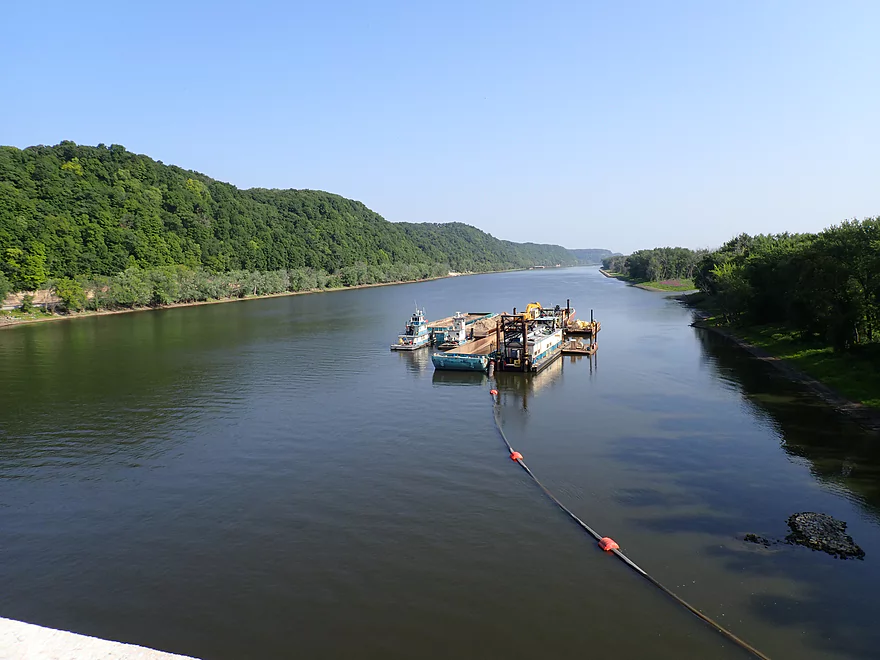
{"points": [[150, 290], [812, 300], [136, 288]]}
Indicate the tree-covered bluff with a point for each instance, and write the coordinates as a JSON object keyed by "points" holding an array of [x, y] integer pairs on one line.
{"points": [[591, 256], [72, 211]]}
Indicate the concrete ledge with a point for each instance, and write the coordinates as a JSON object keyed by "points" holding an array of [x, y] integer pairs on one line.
{"points": [[25, 641]]}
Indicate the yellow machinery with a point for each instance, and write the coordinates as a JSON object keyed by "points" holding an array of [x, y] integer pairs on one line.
{"points": [[533, 310]]}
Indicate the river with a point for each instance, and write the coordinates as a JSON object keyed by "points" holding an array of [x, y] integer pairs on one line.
{"points": [[267, 479]]}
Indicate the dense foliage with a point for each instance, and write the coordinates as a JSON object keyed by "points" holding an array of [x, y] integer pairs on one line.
{"points": [[467, 248], [653, 265], [71, 211], [589, 256], [136, 287], [825, 285]]}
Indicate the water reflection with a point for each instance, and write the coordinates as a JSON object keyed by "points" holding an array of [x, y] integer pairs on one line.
{"points": [[839, 453], [714, 472], [416, 362], [515, 389], [591, 360], [442, 377]]}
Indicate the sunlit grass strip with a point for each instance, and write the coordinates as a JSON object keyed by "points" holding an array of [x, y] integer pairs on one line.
{"points": [[855, 374]]}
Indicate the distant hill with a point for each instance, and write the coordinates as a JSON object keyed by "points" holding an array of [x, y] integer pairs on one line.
{"points": [[590, 256], [70, 210]]}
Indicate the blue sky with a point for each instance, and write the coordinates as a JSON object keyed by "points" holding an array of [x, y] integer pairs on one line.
{"points": [[616, 124]]}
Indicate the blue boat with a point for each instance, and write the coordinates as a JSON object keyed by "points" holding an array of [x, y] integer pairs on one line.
{"points": [[460, 361]]}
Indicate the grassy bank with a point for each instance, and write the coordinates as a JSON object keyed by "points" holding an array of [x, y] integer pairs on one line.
{"points": [[683, 284], [854, 374], [667, 285], [16, 316]]}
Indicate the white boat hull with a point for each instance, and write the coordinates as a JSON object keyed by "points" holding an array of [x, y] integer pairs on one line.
{"points": [[408, 347]]}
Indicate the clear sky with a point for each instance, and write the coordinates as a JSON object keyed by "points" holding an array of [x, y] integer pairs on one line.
{"points": [[616, 124]]}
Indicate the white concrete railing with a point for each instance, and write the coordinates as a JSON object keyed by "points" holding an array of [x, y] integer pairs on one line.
{"points": [[25, 641]]}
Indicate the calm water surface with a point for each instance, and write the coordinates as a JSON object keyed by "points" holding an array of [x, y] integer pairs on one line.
{"points": [[267, 479]]}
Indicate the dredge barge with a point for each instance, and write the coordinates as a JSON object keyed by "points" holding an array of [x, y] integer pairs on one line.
{"points": [[482, 341], [530, 341]]}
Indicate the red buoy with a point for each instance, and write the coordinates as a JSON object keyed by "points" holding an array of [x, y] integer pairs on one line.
{"points": [[515, 456], [608, 544]]}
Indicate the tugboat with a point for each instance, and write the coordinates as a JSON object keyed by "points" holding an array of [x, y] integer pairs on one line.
{"points": [[416, 334]]}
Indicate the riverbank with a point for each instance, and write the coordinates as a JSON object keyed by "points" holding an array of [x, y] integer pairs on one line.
{"points": [[676, 286], [848, 381], [16, 318]]}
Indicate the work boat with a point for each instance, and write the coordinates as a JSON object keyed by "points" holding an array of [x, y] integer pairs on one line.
{"points": [[458, 334], [416, 334]]}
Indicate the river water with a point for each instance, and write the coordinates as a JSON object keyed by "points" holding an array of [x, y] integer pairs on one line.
{"points": [[267, 479]]}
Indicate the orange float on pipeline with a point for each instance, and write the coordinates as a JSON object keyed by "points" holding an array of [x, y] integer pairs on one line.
{"points": [[608, 544]]}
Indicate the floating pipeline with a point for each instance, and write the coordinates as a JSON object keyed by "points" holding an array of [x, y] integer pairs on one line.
{"points": [[610, 546]]}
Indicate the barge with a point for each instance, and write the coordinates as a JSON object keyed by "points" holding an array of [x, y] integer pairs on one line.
{"points": [[475, 324], [527, 342], [530, 341], [473, 355]]}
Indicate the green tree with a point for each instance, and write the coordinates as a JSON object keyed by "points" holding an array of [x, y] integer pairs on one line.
{"points": [[164, 285], [733, 290], [100, 210], [72, 294], [131, 288], [32, 272], [5, 287]]}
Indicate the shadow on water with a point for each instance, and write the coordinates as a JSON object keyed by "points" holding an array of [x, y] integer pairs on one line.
{"points": [[416, 362], [464, 378], [840, 454], [725, 484], [516, 389]]}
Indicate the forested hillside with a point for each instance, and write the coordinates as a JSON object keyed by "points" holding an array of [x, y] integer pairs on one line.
{"points": [[591, 256], [72, 211]]}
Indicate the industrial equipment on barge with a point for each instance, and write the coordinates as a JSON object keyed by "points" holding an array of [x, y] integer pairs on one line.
{"points": [[530, 341]]}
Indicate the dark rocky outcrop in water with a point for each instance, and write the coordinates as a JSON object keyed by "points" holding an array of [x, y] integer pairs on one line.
{"points": [[819, 531], [760, 540]]}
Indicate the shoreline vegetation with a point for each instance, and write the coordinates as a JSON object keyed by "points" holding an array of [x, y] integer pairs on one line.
{"points": [[103, 229], [14, 318], [808, 304], [669, 285], [846, 382]]}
